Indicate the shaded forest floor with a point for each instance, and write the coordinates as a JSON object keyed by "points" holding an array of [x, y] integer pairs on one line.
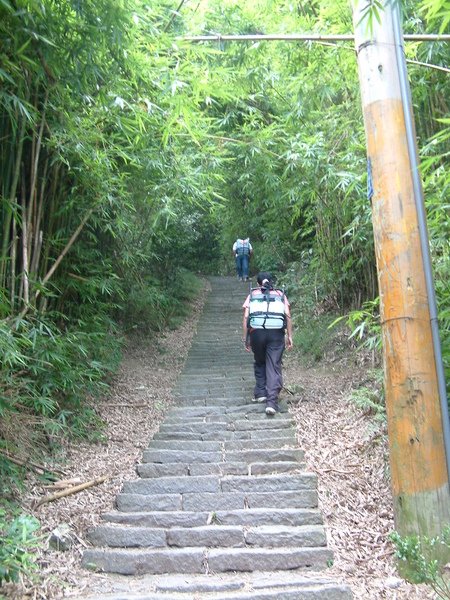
{"points": [[344, 445]]}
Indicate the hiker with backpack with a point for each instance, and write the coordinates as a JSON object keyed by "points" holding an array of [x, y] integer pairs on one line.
{"points": [[266, 323], [242, 251]]}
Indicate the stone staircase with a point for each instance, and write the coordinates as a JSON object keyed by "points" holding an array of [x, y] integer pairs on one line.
{"points": [[223, 507]]}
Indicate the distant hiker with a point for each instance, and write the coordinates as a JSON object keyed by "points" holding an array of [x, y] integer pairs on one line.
{"points": [[266, 321], [242, 250]]}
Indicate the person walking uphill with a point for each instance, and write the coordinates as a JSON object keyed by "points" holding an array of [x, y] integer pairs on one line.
{"points": [[266, 323], [242, 251]]}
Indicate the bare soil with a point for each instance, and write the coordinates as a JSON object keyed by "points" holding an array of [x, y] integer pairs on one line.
{"points": [[343, 444]]}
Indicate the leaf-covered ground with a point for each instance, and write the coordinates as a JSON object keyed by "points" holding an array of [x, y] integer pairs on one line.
{"points": [[343, 446]]}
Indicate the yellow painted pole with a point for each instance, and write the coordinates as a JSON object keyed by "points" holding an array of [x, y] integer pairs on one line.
{"points": [[419, 473]]}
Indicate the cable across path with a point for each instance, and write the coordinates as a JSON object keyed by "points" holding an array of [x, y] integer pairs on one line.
{"points": [[222, 507]]}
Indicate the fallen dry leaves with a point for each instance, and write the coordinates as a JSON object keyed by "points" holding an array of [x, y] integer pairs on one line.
{"points": [[349, 452]]}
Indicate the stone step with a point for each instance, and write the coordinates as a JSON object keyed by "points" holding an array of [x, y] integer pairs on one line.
{"points": [[229, 586], [236, 425], [181, 446], [248, 456], [212, 400], [222, 468], [248, 517], [226, 484], [332, 591], [245, 409], [250, 584], [203, 560], [178, 418], [230, 536], [225, 435], [210, 501]]}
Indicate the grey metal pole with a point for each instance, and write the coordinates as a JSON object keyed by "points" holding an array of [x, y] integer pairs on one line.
{"points": [[422, 223]]}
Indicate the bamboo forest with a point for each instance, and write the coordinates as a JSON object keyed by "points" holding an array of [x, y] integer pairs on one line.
{"points": [[134, 152]]}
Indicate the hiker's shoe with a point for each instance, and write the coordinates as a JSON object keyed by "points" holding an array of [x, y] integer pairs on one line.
{"points": [[270, 411], [259, 399]]}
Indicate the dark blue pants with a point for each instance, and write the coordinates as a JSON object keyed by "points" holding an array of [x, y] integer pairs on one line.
{"points": [[242, 261], [268, 347]]}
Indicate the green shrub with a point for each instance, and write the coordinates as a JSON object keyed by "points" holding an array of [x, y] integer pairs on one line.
{"points": [[17, 545], [370, 399], [423, 560], [364, 325], [153, 305], [49, 371]]}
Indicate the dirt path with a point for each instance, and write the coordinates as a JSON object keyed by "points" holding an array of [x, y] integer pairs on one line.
{"points": [[341, 445]]}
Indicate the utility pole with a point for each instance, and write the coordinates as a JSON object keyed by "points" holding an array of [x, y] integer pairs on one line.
{"points": [[417, 417]]}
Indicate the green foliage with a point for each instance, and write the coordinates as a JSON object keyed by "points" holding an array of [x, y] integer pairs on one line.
{"points": [[364, 325], [152, 306], [423, 560], [313, 337], [17, 545], [50, 371], [370, 398]]}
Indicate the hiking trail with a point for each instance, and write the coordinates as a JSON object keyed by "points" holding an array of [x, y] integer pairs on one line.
{"points": [[223, 506]]}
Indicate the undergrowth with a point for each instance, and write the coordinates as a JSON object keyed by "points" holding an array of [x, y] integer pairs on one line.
{"points": [[423, 560], [50, 376], [18, 544], [369, 398], [153, 305]]}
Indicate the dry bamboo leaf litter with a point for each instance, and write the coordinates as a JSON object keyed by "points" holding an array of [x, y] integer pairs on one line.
{"points": [[350, 456]]}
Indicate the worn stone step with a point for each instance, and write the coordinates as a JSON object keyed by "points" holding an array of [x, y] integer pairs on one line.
{"points": [[237, 399], [216, 501], [192, 469], [202, 437], [250, 585], [227, 435], [222, 468], [284, 441], [248, 456], [177, 456], [201, 560], [249, 517], [225, 484], [215, 535], [281, 441], [174, 418], [182, 446], [220, 426], [250, 410], [229, 586]]}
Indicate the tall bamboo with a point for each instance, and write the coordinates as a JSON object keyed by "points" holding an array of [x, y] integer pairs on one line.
{"points": [[12, 199]]}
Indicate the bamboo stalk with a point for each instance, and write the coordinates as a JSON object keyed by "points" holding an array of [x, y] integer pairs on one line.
{"points": [[37, 226], [32, 212], [304, 37], [12, 198], [72, 490], [25, 280], [13, 263], [67, 247], [60, 258]]}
